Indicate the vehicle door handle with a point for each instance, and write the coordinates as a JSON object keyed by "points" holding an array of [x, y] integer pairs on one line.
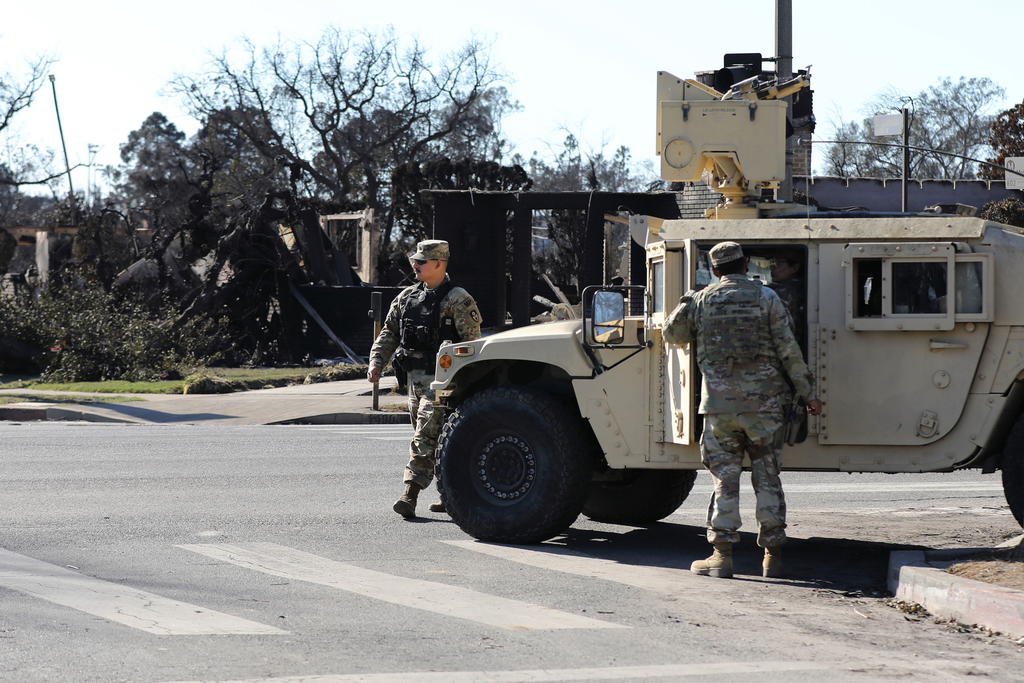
{"points": [[939, 345]]}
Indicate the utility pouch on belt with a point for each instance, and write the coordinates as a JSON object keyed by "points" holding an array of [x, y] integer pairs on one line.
{"points": [[795, 416], [406, 362]]}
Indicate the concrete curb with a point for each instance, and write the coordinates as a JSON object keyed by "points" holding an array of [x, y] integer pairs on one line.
{"points": [[45, 412], [914, 577], [22, 413]]}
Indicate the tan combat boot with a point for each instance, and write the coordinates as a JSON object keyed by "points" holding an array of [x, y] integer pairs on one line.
{"points": [[438, 507], [719, 565], [406, 505], [772, 564]]}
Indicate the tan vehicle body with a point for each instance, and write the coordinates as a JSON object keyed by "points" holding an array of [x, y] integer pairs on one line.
{"points": [[880, 387], [914, 332]]}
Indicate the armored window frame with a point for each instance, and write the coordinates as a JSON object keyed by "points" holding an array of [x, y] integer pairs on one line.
{"points": [[657, 286], [880, 259]]}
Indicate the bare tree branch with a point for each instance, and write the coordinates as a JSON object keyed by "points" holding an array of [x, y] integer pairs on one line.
{"points": [[17, 93], [13, 182], [346, 112]]}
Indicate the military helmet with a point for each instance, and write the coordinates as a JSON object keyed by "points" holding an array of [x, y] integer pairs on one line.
{"points": [[429, 250]]}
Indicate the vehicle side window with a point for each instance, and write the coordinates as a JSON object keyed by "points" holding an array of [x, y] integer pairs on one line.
{"points": [[868, 289], [970, 289], [658, 286], [704, 275], [918, 288], [907, 286]]}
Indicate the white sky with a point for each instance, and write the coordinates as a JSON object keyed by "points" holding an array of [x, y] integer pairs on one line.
{"points": [[587, 65]]}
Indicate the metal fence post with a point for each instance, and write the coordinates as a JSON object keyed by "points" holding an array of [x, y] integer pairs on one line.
{"points": [[377, 313]]}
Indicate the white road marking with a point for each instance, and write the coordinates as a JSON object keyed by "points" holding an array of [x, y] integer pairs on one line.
{"points": [[360, 429], [853, 487], [440, 598], [554, 558], [122, 604], [380, 433]]}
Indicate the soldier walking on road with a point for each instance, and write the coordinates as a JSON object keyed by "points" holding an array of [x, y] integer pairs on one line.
{"points": [[746, 351], [420, 319]]}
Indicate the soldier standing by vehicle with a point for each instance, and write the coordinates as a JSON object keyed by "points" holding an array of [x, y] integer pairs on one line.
{"points": [[746, 351], [420, 319]]}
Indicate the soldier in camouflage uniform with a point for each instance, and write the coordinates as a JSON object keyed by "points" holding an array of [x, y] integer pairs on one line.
{"points": [[420, 318], [788, 283], [746, 351]]}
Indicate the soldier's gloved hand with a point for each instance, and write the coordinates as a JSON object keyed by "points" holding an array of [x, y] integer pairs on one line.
{"points": [[373, 374], [814, 407]]}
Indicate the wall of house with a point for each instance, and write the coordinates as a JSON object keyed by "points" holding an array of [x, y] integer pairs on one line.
{"points": [[879, 194]]}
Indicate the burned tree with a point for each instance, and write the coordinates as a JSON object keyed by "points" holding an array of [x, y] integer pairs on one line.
{"points": [[341, 115]]}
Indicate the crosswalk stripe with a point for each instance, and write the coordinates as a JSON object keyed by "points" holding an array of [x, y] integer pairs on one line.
{"points": [[440, 598], [614, 673], [662, 579], [122, 604]]}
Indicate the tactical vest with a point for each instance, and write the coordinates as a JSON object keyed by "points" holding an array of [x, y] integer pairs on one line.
{"points": [[732, 329], [422, 330]]}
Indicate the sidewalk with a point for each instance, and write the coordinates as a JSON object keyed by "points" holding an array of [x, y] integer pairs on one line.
{"points": [[345, 402]]}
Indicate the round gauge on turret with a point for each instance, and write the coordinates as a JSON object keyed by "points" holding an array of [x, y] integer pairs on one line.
{"points": [[678, 153]]}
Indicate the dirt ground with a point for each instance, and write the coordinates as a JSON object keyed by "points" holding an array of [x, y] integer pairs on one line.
{"points": [[1004, 568]]}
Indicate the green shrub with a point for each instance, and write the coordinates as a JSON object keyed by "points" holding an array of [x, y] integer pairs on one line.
{"points": [[335, 373], [205, 383], [82, 333]]}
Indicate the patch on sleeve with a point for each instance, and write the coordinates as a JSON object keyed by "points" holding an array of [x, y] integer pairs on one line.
{"points": [[468, 308]]}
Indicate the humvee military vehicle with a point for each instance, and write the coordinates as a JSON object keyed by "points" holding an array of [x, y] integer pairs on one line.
{"points": [[913, 325]]}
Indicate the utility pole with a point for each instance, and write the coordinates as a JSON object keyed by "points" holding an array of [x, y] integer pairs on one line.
{"points": [[377, 314], [906, 156], [71, 188], [784, 71]]}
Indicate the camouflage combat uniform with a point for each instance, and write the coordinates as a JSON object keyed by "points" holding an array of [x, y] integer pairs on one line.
{"points": [[746, 351], [792, 294], [458, 311]]}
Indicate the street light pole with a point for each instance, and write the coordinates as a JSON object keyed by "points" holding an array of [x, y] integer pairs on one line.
{"points": [[71, 188], [784, 71], [93, 151]]}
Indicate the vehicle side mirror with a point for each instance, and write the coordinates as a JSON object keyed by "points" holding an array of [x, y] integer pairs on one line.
{"points": [[609, 317]]}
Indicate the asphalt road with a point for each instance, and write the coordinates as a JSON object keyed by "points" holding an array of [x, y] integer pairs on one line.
{"points": [[199, 553]]}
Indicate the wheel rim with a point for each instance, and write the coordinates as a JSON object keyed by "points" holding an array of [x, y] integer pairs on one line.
{"points": [[505, 468]]}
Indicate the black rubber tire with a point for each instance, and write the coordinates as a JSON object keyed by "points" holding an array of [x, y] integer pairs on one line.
{"points": [[640, 497], [511, 467], [1013, 471]]}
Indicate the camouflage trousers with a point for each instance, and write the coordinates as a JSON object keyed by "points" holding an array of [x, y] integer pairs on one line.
{"points": [[727, 438], [427, 418]]}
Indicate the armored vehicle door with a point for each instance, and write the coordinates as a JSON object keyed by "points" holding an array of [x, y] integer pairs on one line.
{"points": [[902, 328], [672, 268]]}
